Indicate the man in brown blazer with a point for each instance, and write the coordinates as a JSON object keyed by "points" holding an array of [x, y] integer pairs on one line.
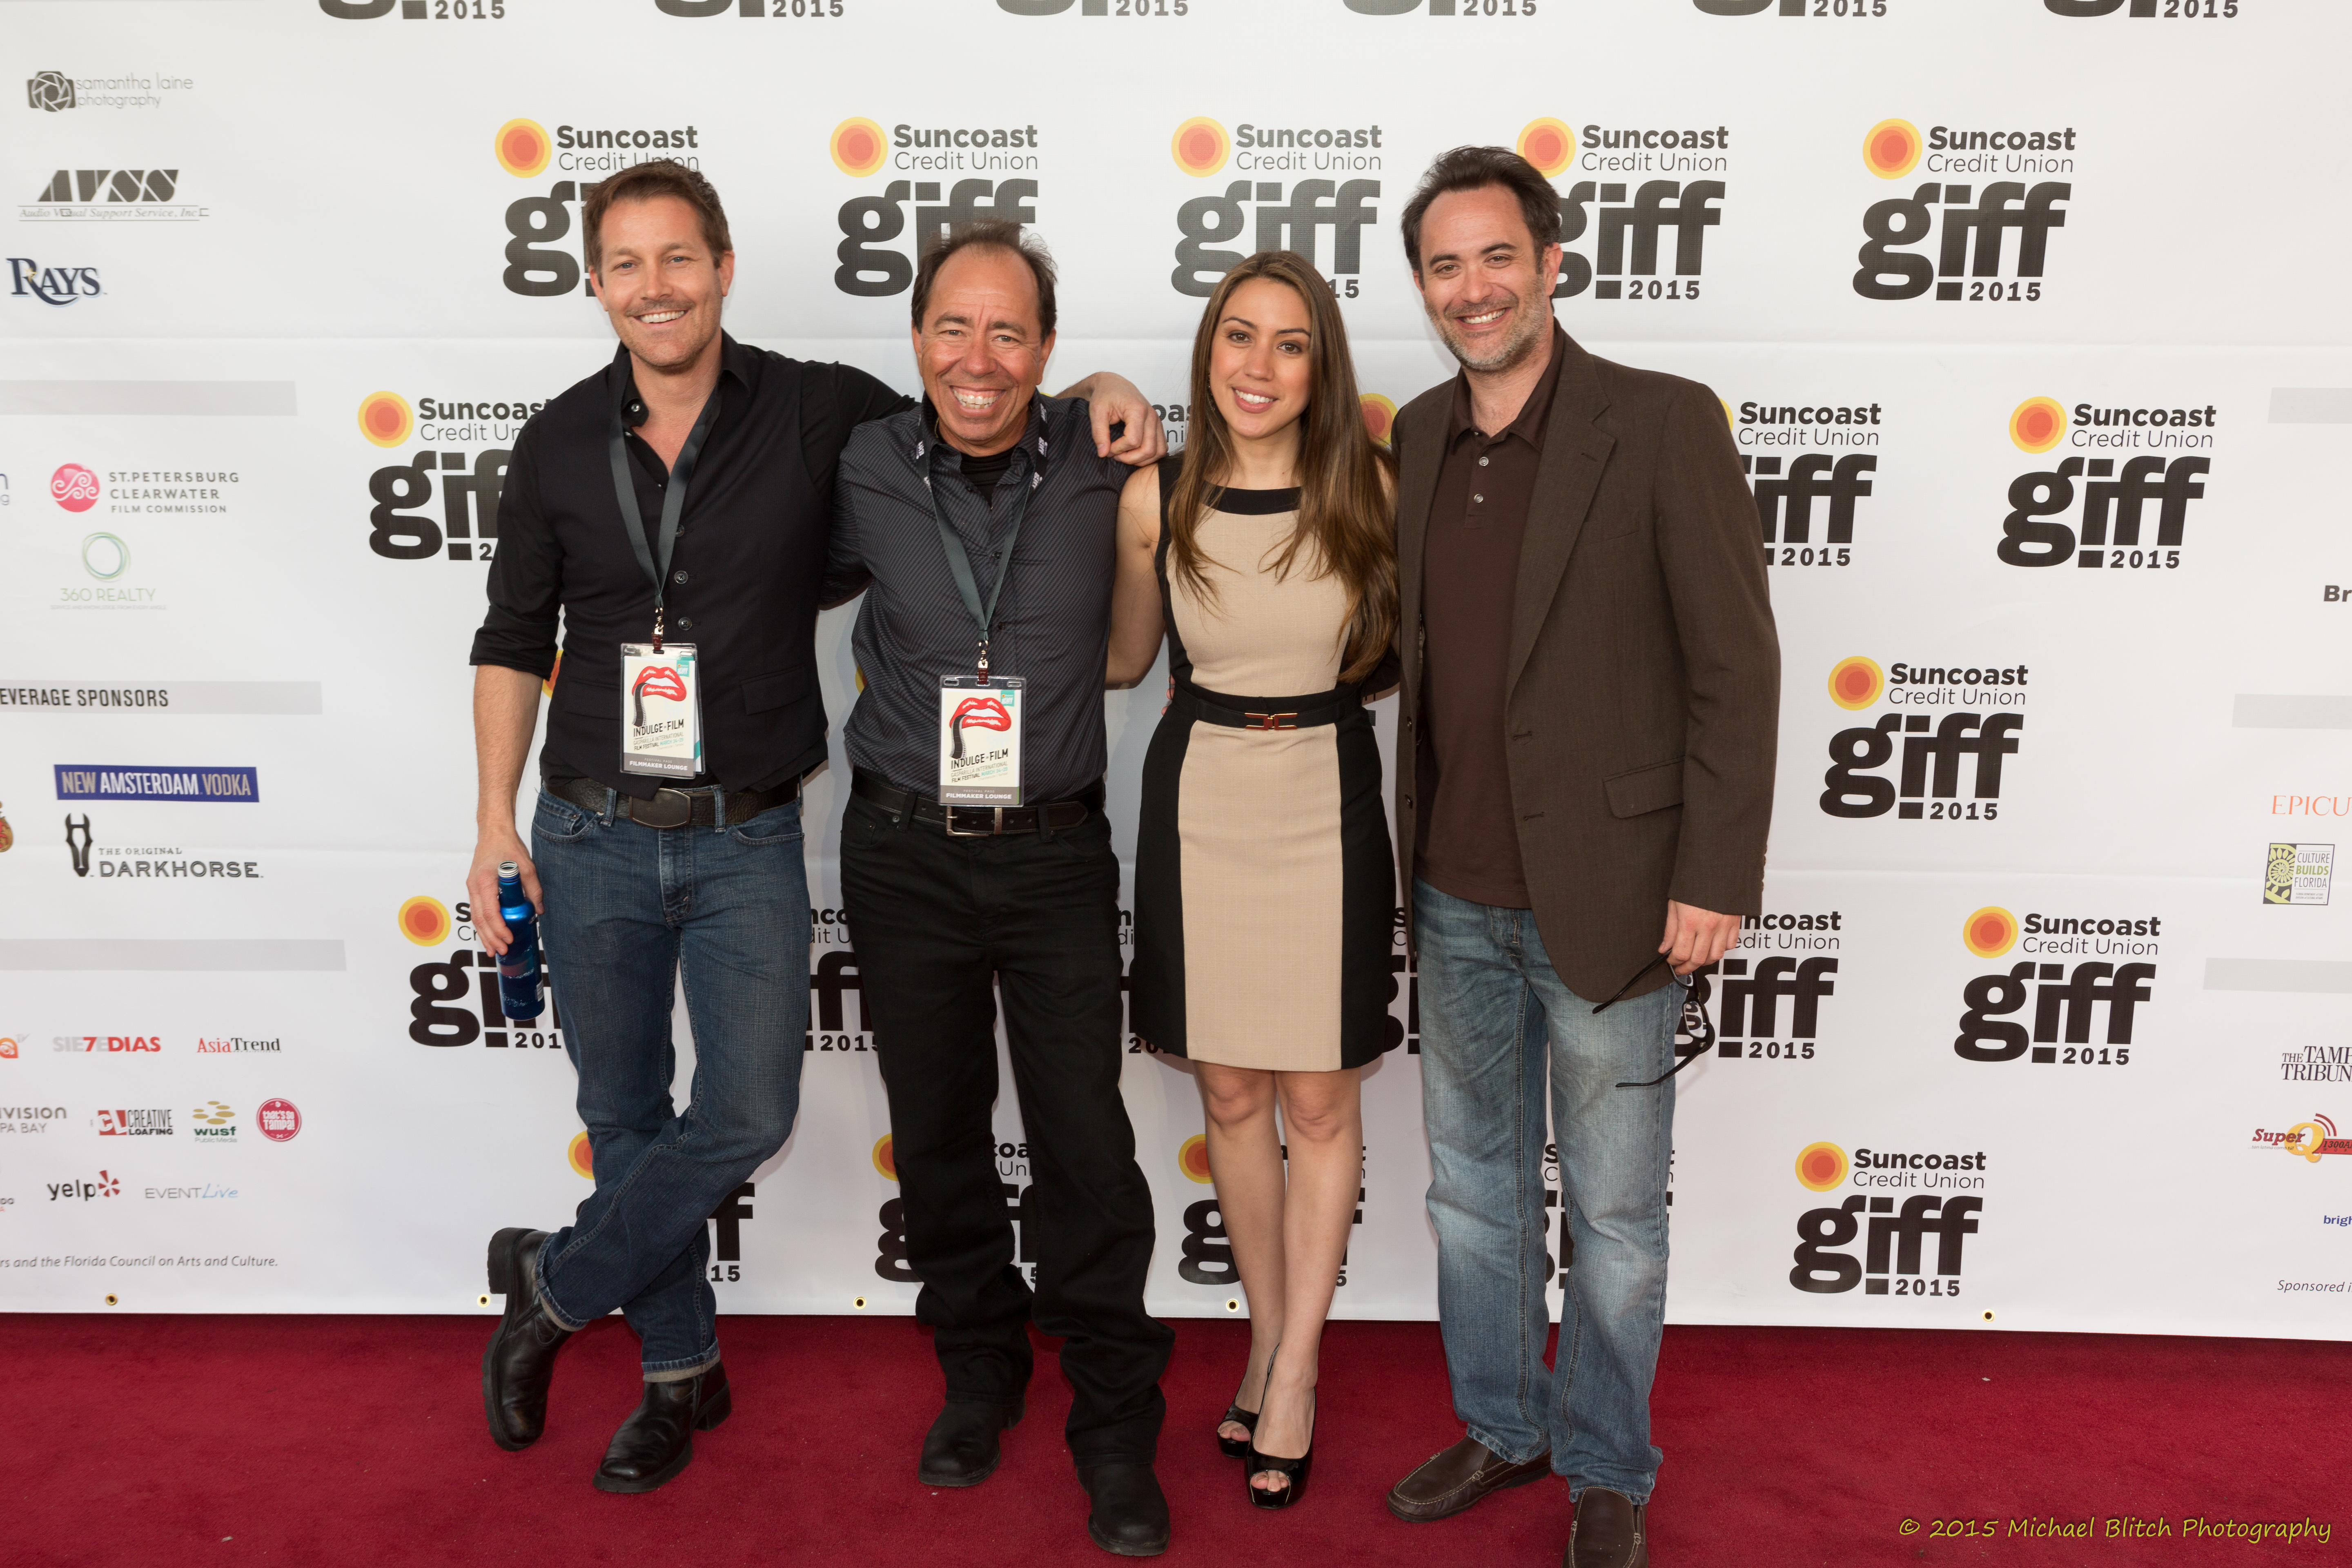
{"points": [[1584, 783]]}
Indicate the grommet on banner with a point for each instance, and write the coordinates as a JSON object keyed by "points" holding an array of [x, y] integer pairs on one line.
{"points": [[481, 1300], [110, 1298], [859, 1302], [1232, 1304], [1988, 1317]]}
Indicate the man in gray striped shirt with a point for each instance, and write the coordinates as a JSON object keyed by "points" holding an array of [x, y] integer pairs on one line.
{"points": [[980, 526]]}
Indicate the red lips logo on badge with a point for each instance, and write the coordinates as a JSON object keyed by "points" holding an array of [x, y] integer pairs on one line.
{"points": [[661, 681], [981, 714]]}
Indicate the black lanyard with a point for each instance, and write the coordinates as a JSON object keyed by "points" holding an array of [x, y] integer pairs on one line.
{"points": [[958, 558], [625, 491]]}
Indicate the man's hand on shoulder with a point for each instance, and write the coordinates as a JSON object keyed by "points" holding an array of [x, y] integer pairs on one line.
{"points": [[1696, 937], [1115, 400]]}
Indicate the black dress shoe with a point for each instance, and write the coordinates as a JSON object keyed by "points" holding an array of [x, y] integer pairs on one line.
{"points": [[520, 1361], [657, 1439], [961, 1450], [1131, 1511]]}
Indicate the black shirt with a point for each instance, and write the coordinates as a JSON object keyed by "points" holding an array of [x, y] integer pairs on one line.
{"points": [[1053, 621], [745, 574]]}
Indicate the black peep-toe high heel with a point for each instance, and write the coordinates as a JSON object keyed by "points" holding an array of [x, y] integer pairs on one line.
{"points": [[1295, 1470]]}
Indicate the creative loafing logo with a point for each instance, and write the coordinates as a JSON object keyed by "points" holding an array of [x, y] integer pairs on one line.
{"points": [[1969, 222], [1806, 501], [2126, 513], [2298, 873], [2086, 1005], [879, 248], [1762, 1001], [1896, 1261], [112, 195], [2307, 1141], [455, 998], [1215, 230], [134, 1121], [1616, 232], [1978, 727], [543, 257]]}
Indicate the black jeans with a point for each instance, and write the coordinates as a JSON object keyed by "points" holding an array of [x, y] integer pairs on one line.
{"points": [[934, 921]]}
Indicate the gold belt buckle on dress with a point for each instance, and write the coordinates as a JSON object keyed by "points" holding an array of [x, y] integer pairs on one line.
{"points": [[1271, 720]]}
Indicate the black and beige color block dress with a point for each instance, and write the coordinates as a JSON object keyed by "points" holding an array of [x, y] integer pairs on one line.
{"points": [[1265, 884]]}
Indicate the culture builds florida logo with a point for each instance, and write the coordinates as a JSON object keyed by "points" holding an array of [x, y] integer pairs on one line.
{"points": [[2310, 1140], [385, 418], [522, 147], [1549, 144], [858, 147], [1201, 146]]}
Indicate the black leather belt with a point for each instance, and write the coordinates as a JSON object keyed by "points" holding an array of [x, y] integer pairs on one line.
{"points": [[674, 808], [1267, 712], [974, 821]]}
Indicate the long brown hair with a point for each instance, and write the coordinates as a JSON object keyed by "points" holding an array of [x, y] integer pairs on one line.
{"points": [[1344, 509]]}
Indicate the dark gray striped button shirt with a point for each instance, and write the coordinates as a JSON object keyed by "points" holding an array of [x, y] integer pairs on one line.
{"points": [[1053, 621]]}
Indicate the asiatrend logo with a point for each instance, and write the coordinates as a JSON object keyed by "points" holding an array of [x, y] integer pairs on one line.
{"points": [[1855, 683], [425, 921], [385, 419], [858, 147], [2037, 425], [1200, 146], [522, 147], [1192, 1158], [1820, 1166], [1891, 148], [883, 1160], [1549, 144], [1990, 933], [583, 1158], [1380, 416]]}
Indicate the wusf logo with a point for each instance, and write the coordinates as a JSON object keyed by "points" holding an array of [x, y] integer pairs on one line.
{"points": [[2070, 1003], [1273, 220], [1895, 1254], [877, 253], [1625, 231], [1927, 784], [1990, 269], [2133, 516]]}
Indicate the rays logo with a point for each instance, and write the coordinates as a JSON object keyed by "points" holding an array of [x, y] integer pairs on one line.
{"points": [[2069, 1001], [1626, 230], [874, 228], [2148, 495], [1991, 269], [1933, 749]]}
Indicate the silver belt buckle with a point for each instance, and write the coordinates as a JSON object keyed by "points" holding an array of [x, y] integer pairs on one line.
{"points": [[995, 827], [676, 811]]}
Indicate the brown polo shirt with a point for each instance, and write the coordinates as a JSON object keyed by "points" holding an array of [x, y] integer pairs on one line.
{"points": [[1469, 840]]}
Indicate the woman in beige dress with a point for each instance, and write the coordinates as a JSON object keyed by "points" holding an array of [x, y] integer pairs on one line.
{"points": [[1265, 888]]}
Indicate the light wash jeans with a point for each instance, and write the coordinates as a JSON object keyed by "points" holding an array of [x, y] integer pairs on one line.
{"points": [[627, 905], [1494, 1020]]}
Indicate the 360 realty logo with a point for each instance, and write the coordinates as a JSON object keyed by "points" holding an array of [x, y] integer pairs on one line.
{"points": [[1807, 500], [2075, 997], [399, 525], [1638, 230], [2127, 509], [1911, 1209], [985, 164], [453, 999], [1953, 723], [1954, 236], [1340, 159]]}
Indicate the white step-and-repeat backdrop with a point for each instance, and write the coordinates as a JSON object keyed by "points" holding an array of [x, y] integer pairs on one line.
{"points": [[2028, 316]]}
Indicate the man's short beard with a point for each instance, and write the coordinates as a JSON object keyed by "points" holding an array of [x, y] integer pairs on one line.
{"points": [[1534, 327]]}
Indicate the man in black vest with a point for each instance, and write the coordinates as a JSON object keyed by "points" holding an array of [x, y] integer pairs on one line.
{"points": [[673, 509]]}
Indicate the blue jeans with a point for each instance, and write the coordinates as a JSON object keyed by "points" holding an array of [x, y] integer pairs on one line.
{"points": [[1489, 1000], [624, 906]]}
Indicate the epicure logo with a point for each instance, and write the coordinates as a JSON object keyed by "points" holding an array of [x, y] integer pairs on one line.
{"points": [[2066, 1001], [858, 148], [1893, 1253], [74, 487], [1927, 784], [2113, 502], [1890, 270], [2309, 1140]]}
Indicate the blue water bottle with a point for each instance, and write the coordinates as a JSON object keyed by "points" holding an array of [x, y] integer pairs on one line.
{"points": [[518, 965]]}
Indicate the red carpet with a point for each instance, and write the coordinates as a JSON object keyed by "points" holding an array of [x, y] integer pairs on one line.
{"points": [[360, 1440]]}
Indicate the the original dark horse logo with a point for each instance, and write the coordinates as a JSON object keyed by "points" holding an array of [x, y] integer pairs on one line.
{"points": [[79, 847], [981, 714]]}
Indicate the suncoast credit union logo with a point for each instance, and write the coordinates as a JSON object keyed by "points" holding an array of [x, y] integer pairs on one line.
{"points": [[878, 250], [1974, 260], [1933, 748], [522, 147], [2127, 513], [456, 998], [1857, 9], [2188, 10], [385, 418], [538, 265], [1276, 213], [1897, 1260], [1627, 230], [1380, 415], [1192, 1158], [2084, 1013], [1735, 1007], [400, 529], [417, 10], [1806, 501]]}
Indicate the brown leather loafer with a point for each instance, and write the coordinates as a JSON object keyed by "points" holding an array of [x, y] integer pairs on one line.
{"points": [[1608, 1531], [1453, 1480]]}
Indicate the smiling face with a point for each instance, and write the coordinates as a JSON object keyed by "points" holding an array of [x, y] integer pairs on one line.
{"points": [[1486, 288], [979, 349], [1260, 366], [660, 282]]}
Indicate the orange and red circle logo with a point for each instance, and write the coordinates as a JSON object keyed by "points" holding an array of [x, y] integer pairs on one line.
{"points": [[1380, 416], [425, 921], [1192, 1158], [522, 147], [1820, 1166], [581, 1157], [858, 147], [1200, 146], [385, 419], [1990, 933], [1891, 148], [1855, 683], [74, 487], [1548, 145], [2037, 425], [883, 1161]]}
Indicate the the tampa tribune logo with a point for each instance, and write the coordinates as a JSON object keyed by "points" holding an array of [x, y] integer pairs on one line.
{"points": [[1895, 1249], [1927, 783], [2134, 510], [1989, 270], [2067, 999]]}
